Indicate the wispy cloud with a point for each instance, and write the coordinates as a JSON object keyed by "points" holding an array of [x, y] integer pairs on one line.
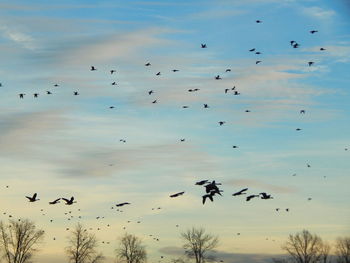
{"points": [[319, 12], [23, 39]]}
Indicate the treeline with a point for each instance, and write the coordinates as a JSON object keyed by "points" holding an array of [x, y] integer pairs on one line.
{"points": [[19, 241]]}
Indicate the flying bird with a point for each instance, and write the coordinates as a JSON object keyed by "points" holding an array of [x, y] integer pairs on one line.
{"points": [[258, 21], [93, 68], [313, 31], [148, 64], [310, 63], [158, 74], [33, 198], [55, 201], [21, 95], [242, 192], [113, 71], [69, 201], [122, 204], [265, 196], [177, 194], [249, 197], [217, 77], [201, 182], [203, 45]]}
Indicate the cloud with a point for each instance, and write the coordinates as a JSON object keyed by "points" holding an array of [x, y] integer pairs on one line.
{"points": [[318, 12], [20, 38]]}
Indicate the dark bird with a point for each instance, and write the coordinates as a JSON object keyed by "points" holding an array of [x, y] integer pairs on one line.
{"points": [[302, 111], [148, 64], [113, 71], [122, 204], [258, 21], [206, 106], [48, 92], [33, 198], [203, 45], [226, 90], [257, 62], [155, 101], [310, 63], [265, 196], [236, 93], [287, 209], [185, 107], [182, 140], [69, 201], [292, 42], [313, 31], [235, 146], [158, 74], [258, 53], [308, 165], [201, 182], [76, 93], [228, 70], [217, 77], [21, 95], [55, 201], [204, 197], [36, 95], [277, 209], [298, 129], [111, 107], [251, 50], [296, 45], [247, 110], [175, 70], [242, 192], [322, 49], [222, 123], [56, 85], [177, 194], [251, 196], [114, 83], [93, 68], [150, 92]]}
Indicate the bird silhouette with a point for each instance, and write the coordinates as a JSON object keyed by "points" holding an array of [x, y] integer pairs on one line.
{"points": [[249, 197], [122, 204], [155, 101], [257, 62], [302, 111], [76, 93], [175, 70], [258, 21], [228, 70], [203, 45], [150, 92], [55, 201], [206, 106], [36, 95], [265, 196], [158, 74], [112, 71], [313, 31], [148, 64], [177, 194], [310, 63], [93, 68], [217, 77], [21, 95], [210, 196], [69, 201], [322, 49], [33, 198], [222, 123], [242, 192], [201, 182], [251, 50], [48, 92]]}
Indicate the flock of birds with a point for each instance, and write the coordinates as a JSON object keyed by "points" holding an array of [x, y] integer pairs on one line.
{"points": [[211, 187]]}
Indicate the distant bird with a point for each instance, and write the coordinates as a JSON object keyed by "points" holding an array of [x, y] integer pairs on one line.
{"points": [[265, 196], [122, 204], [222, 123], [148, 64], [298, 129], [155, 101], [310, 63], [235, 146], [111, 107], [158, 74], [203, 45], [210, 196], [175, 70], [295, 45], [112, 71], [249, 197], [33, 198], [69, 201], [21, 95], [36, 95], [287, 209], [258, 21], [309, 199], [242, 192], [251, 50], [257, 62], [322, 49], [226, 90], [185, 107], [308, 165], [258, 53], [150, 92], [182, 140], [93, 68], [55, 201], [76, 93], [48, 92], [277, 209], [177, 194], [228, 70], [313, 31], [56, 85], [236, 93], [217, 77], [114, 83], [206, 106], [201, 182], [247, 110], [302, 111]]}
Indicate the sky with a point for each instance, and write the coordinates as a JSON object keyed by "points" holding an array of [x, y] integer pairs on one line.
{"points": [[61, 145]]}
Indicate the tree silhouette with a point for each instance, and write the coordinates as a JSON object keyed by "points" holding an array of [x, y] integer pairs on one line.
{"points": [[304, 247], [342, 250], [18, 240], [82, 247], [198, 243], [131, 250]]}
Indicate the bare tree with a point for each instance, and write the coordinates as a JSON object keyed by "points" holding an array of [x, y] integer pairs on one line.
{"points": [[198, 243], [325, 249], [18, 240], [82, 247], [342, 250], [304, 247], [131, 250]]}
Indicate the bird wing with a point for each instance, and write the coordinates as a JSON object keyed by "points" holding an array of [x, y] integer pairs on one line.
{"points": [[65, 199]]}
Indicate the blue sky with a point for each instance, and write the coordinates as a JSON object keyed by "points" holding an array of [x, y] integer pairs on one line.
{"points": [[64, 145]]}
